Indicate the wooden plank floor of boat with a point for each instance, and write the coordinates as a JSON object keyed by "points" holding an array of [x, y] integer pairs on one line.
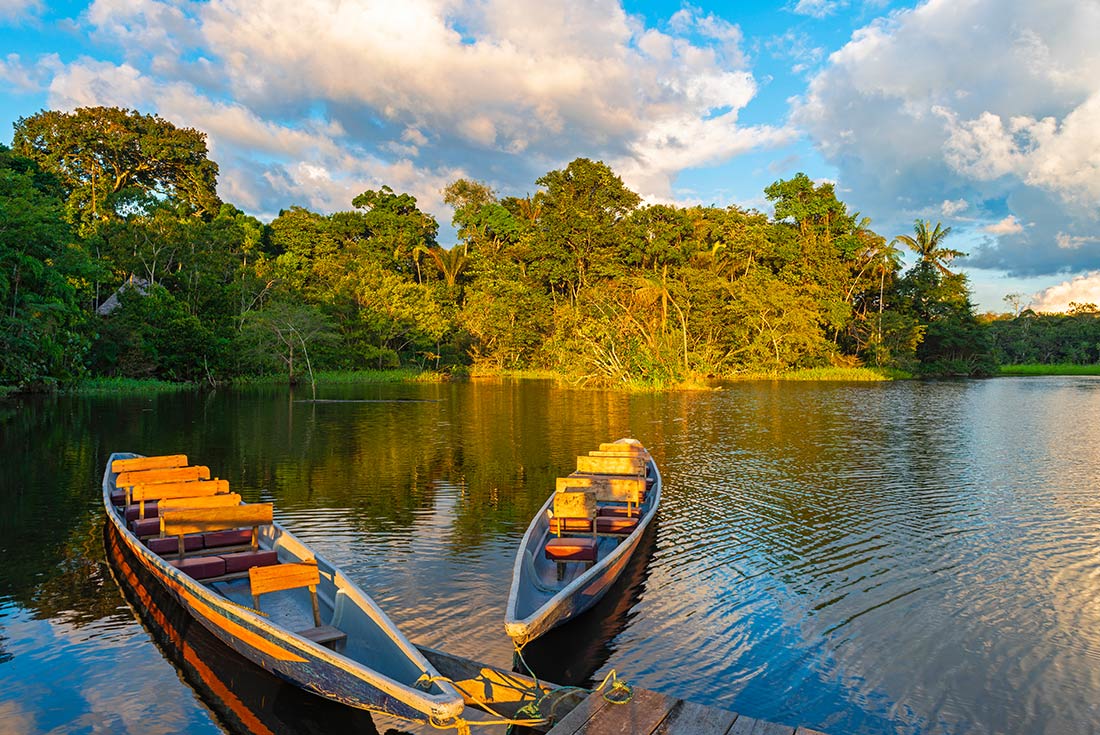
{"points": [[650, 713]]}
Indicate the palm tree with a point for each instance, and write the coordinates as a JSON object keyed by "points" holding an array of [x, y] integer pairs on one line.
{"points": [[927, 245], [450, 263]]}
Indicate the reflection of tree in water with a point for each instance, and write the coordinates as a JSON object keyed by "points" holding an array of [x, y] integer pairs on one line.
{"points": [[4, 655], [78, 589]]}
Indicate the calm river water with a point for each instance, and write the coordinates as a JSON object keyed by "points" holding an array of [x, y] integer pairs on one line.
{"points": [[906, 557]]}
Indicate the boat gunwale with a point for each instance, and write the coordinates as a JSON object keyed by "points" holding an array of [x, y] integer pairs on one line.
{"points": [[546, 608], [435, 705]]}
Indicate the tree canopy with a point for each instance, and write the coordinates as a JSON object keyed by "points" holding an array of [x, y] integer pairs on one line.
{"points": [[579, 277], [113, 162]]}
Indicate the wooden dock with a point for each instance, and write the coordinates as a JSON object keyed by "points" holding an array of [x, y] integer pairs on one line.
{"points": [[650, 713]]}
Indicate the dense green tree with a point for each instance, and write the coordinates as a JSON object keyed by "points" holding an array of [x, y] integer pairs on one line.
{"points": [[42, 329], [953, 341], [113, 161], [583, 210]]}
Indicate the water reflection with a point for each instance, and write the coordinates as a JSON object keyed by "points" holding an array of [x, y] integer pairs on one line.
{"points": [[245, 698], [912, 558]]}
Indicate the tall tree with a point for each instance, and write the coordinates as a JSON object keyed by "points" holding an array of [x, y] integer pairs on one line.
{"points": [[113, 161], [41, 336], [928, 244], [580, 224]]}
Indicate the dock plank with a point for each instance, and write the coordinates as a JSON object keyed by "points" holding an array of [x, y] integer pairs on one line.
{"points": [[639, 716], [581, 714], [691, 718], [749, 726]]}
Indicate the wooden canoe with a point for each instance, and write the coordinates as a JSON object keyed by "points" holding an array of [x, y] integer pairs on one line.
{"points": [[544, 593], [368, 664]]}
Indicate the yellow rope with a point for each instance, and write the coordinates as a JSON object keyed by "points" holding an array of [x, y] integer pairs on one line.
{"points": [[463, 725], [619, 693]]}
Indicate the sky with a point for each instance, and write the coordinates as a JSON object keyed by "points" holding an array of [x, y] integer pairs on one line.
{"points": [[980, 114]]}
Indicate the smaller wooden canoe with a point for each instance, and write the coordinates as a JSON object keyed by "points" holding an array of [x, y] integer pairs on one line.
{"points": [[581, 539]]}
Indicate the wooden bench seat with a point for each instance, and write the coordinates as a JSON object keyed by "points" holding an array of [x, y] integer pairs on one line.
{"points": [[265, 580], [324, 635], [125, 481], [148, 463], [180, 523]]}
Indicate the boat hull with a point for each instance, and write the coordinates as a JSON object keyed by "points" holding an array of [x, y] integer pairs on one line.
{"points": [[283, 653], [581, 593]]}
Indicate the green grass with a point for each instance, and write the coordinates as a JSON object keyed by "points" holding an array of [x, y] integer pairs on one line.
{"points": [[101, 386], [348, 377], [857, 374], [1059, 369]]}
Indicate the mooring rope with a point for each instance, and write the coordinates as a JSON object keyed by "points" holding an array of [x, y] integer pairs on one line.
{"points": [[531, 714]]}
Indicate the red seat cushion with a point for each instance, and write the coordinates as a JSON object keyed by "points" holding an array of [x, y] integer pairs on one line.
{"points": [[245, 560], [571, 549], [201, 567], [147, 527], [234, 537], [616, 525], [617, 511], [133, 511], [118, 497], [171, 544]]}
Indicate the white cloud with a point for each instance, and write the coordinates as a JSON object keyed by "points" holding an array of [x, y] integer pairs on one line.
{"points": [[19, 11], [995, 102], [504, 88], [817, 8], [1008, 226], [951, 207], [1066, 241], [311, 163], [797, 47], [1084, 289]]}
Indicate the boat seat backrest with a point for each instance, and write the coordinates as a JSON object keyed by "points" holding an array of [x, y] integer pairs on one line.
{"points": [[631, 466], [208, 501], [574, 510], [173, 474], [148, 463], [169, 490], [608, 488], [202, 520], [286, 577], [127, 480]]}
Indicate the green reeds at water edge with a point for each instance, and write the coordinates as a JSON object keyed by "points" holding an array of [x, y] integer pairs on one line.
{"points": [[99, 386], [1065, 368]]}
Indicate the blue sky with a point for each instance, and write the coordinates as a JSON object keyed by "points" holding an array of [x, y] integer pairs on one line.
{"points": [[982, 114]]}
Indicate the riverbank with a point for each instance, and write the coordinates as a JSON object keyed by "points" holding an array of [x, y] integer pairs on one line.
{"points": [[106, 386], [1057, 369]]}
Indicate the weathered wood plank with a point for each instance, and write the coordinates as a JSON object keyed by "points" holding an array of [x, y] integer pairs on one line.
{"points": [[623, 447], [807, 731], [167, 490], [748, 726], [173, 474], [607, 488], [201, 520], [691, 718], [640, 716], [581, 714], [282, 577], [149, 463], [208, 501], [611, 465]]}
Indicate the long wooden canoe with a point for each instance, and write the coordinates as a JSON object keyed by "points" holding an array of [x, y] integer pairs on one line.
{"points": [[547, 592], [332, 640]]}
